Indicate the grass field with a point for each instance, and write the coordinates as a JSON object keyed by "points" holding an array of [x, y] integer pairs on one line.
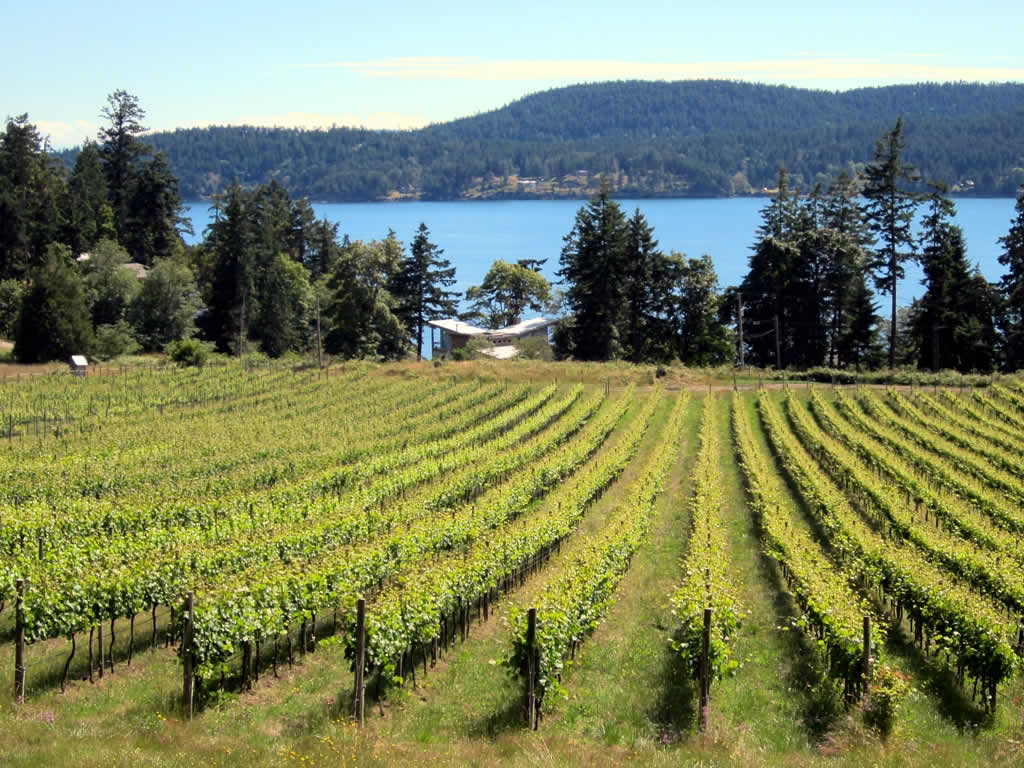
{"points": [[626, 699]]}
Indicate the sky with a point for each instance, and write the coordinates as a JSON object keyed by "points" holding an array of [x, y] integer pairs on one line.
{"points": [[407, 63]]}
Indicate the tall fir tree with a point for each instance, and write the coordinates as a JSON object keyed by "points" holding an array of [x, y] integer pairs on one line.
{"points": [[774, 288], [285, 307], [858, 337], [945, 268], [593, 269], [419, 287], [850, 306], [31, 186], [120, 149], [231, 238], [889, 212], [953, 322], [1012, 286], [322, 249], [645, 276], [155, 212], [88, 217]]}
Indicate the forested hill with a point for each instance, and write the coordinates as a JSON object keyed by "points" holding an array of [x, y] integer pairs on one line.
{"points": [[690, 138]]}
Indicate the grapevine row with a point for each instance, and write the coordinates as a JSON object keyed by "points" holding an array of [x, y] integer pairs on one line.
{"points": [[580, 591], [966, 626], [706, 580], [831, 610], [263, 607]]}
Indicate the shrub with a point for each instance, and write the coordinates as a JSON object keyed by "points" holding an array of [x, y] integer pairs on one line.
{"points": [[113, 340], [534, 348], [885, 695], [469, 351], [189, 352]]}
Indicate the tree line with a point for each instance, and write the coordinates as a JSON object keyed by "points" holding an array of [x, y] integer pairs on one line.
{"points": [[808, 298], [92, 261], [269, 275]]}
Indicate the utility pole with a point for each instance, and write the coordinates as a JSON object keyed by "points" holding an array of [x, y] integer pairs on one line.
{"points": [[739, 323], [241, 325], [778, 344], [319, 352]]}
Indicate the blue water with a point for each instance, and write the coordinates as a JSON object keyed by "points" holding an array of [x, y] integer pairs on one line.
{"points": [[475, 234]]}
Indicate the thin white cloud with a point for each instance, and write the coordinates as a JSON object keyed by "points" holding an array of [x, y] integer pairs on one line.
{"points": [[63, 134], [67, 134], [802, 68]]}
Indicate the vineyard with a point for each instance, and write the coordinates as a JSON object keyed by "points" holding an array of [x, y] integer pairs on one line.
{"points": [[377, 565]]}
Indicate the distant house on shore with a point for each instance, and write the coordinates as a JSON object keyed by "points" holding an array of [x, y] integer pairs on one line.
{"points": [[139, 270], [455, 334]]}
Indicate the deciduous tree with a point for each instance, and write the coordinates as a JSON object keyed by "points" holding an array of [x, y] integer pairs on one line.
{"points": [[506, 291]]}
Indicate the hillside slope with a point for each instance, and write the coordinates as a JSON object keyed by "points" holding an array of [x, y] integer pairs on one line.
{"points": [[689, 138]]}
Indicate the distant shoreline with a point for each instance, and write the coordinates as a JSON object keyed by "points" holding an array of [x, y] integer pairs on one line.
{"points": [[584, 198]]}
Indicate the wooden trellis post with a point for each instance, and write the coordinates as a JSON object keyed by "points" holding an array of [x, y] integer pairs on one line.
{"points": [[867, 652], [705, 671], [531, 669], [359, 695], [19, 644], [189, 689]]}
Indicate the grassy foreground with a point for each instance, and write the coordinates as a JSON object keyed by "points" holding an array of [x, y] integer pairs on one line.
{"points": [[626, 702]]}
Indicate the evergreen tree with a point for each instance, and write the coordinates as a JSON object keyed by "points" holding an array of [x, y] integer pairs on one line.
{"points": [[302, 224], [952, 322], [53, 322], [120, 149], [88, 217], [774, 290], [31, 186], [141, 189], [285, 307], [419, 287], [944, 263], [976, 337], [592, 266], [889, 212], [231, 239], [766, 291], [322, 249], [808, 307], [1012, 286], [858, 338], [778, 218], [848, 300], [645, 290], [155, 212]]}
